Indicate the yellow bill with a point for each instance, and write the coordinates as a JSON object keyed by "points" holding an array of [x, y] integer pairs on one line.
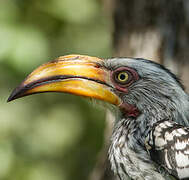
{"points": [[75, 74]]}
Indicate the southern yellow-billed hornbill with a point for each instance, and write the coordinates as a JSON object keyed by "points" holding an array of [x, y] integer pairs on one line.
{"points": [[150, 138]]}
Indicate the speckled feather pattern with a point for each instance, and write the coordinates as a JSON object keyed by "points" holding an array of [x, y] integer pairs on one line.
{"points": [[170, 141]]}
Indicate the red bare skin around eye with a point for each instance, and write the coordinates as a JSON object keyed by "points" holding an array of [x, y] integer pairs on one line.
{"points": [[123, 87], [127, 109]]}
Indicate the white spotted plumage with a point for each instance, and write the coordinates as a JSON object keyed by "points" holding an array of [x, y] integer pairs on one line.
{"points": [[172, 144]]}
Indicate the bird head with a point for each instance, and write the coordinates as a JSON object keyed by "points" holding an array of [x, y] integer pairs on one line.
{"points": [[133, 85]]}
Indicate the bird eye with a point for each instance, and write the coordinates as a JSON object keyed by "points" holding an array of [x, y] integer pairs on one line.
{"points": [[123, 77]]}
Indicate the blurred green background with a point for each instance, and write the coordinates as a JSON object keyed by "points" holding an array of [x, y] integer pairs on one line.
{"points": [[49, 136]]}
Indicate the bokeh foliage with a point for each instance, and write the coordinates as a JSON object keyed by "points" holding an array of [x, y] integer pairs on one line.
{"points": [[48, 136]]}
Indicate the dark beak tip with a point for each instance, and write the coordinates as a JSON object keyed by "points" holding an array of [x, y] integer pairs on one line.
{"points": [[16, 93], [12, 96], [9, 99]]}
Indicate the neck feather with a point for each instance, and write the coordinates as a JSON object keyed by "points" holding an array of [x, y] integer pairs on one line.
{"points": [[127, 152]]}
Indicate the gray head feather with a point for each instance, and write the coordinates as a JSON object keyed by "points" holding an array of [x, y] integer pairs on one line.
{"points": [[158, 92]]}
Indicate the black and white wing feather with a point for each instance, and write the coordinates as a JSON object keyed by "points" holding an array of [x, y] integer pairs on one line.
{"points": [[168, 145]]}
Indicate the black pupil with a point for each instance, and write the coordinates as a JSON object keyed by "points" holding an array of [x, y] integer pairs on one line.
{"points": [[122, 76]]}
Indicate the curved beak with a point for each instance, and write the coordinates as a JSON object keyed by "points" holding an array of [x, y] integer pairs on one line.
{"points": [[75, 74]]}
